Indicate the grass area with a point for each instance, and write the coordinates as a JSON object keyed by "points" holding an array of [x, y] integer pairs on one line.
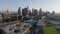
{"points": [[49, 30]]}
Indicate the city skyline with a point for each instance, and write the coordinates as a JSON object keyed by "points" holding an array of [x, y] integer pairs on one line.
{"points": [[12, 5]]}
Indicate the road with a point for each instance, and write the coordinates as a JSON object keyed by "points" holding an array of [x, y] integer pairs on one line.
{"points": [[39, 30], [40, 25]]}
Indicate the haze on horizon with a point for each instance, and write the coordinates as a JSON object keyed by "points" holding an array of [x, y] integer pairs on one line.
{"points": [[13, 5]]}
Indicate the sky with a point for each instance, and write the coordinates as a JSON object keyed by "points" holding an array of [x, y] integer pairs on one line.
{"points": [[13, 5]]}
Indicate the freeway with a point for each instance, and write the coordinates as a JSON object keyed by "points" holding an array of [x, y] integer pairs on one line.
{"points": [[36, 29], [33, 28], [40, 26], [39, 30]]}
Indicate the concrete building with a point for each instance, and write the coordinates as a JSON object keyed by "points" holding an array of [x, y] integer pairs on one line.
{"points": [[53, 12], [34, 12], [17, 28], [6, 15], [40, 12], [25, 12], [29, 13], [19, 11]]}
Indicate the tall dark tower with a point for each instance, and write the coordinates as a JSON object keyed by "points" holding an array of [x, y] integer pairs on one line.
{"points": [[19, 17], [53, 12], [7, 11], [19, 10], [27, 10], [32, 11], [40, 11], [35, 12]]}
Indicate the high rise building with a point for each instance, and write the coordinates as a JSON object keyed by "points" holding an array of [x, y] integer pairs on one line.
{"points": [[32, 11], [29, 12], [35, 12], [40, 11], [7, 11], [53, 12], [19, 11], [25, 12]]}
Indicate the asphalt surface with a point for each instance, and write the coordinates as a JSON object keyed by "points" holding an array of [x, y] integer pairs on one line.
{"points": [[36, 29], [39, 30]]}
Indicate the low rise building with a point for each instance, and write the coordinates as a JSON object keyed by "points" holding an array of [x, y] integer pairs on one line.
{"points": [[17, 28]]}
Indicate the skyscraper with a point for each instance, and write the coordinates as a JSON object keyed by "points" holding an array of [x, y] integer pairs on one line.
{"points": [[32, 11], [40, 11], [35, 12], [53, 12], [25, 12], [19, 11], [29, 12]]}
